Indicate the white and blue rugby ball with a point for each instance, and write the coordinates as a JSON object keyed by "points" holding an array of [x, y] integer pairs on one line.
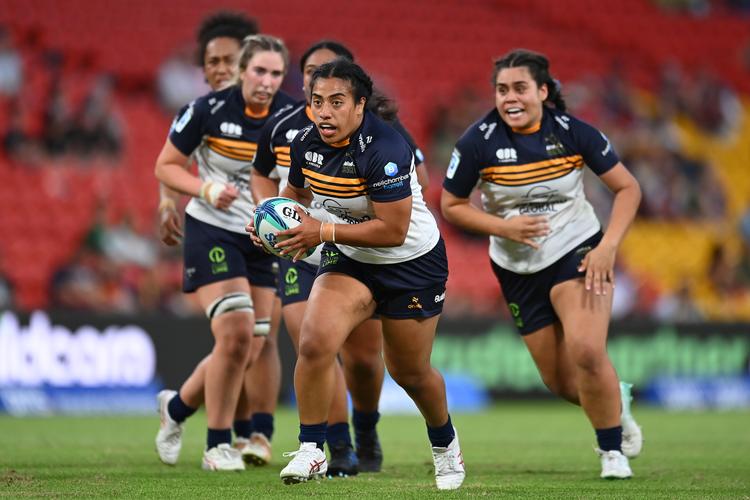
{"points": [[273, 216]]}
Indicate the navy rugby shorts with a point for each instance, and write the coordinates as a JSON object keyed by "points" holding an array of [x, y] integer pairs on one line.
{"points": [[411, 289], [214, 254], [295, 281], [528, 295]]}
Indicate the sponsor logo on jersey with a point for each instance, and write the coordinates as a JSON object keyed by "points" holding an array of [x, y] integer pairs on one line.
{"points": [[506, 155], [291, 134], [334, 207], [608, 148], [314, 159], [361, 143], [230, 129], [453, 165], [563, 121], [539, 200], [184, 119], [390, 169], [439, 298], [391, 183]]}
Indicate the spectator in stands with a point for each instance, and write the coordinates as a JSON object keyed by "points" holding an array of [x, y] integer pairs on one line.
{"points": [[58, 132], [179, 80], [76, 284], [19, 146], [98, 126], [679, 306], [11, 74], [6, 290], [122, 244]]}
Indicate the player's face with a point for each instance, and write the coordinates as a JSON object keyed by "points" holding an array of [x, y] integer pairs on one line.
{"points": [[262, 78], [220, 62], [317, 58], [335, 112], [518, 98]]}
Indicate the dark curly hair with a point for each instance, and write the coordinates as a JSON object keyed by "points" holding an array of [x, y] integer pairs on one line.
{"points": [[223, 24]]}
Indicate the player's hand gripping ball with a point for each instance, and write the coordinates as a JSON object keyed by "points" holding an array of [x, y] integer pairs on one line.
{"points": [[273, 216]]}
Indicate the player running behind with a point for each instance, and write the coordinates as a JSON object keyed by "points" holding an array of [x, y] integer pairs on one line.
{"points": [[222, 129], [547, 249]]}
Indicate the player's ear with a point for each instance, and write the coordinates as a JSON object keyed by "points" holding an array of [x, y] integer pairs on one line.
{"points": [[360, 107]]}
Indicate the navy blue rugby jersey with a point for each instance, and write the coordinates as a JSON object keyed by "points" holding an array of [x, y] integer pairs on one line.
{"points": [[222, 135], [375, 165], [536, 173], [272, 159]]}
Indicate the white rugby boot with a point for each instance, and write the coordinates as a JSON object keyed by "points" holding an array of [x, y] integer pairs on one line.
{"points": [[256, 450], [309, 462], [169, 437], [222, 457], [632, 436], [614, 465], [449, 465]]}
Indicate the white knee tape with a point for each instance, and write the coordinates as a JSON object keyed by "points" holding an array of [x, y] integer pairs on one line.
{"points": [[262, 327], [229, 303]]}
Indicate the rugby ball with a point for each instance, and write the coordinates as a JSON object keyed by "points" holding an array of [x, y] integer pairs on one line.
{"points": [[273, 216]]}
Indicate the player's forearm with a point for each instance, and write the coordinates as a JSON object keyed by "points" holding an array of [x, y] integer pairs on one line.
{"points": [[624, 208], [263, 187], [373, 233], [470, 218], [175, 178]]}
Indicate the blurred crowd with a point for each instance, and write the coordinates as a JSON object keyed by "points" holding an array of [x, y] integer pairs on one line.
{"points": [[49, 115], [119, 267]]}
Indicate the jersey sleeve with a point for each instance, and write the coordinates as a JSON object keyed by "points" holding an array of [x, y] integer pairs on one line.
{"points": [[389, 170], [463, 170], [297, 154], [595, 148], [399, 127], [265, 159], [188, 128]]}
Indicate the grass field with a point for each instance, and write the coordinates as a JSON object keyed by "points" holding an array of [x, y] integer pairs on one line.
{"points": [[514, 450]]}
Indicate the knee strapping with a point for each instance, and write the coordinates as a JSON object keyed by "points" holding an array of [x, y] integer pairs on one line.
{"points": [[262, 327], [230, 302]]}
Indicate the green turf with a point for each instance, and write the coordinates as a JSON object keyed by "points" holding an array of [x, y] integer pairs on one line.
{"points": [[539, 450]]}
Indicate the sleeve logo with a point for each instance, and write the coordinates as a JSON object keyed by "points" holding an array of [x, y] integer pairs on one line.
{"points": [[453, 165], [390, 169], [184, 120]]}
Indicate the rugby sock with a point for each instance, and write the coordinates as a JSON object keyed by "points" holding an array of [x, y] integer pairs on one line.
{"points": [[178, 410], [315, 433], [218, 436], [338, 435], [364, 421], [243, 428], [263, 423], [609, 439], [441, 436]]}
